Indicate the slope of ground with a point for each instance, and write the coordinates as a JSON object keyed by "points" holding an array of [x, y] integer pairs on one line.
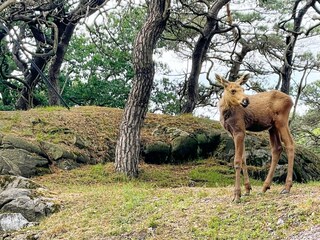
{"points": [[189, 201], [168, 202], [97, 125]]}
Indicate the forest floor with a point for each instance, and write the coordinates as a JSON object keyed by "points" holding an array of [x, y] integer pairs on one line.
{"points": [[190, 201]]}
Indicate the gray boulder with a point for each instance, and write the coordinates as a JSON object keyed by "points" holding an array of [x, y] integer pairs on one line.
{"points": [[7, 182], [64, 158], [56, 152], [13, 142], [157, 152], [184, 148], [20, 162], [21, 157], [27, 202], [21, 195], [12, 222]]}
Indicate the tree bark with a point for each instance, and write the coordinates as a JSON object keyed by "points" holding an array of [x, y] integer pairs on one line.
{"points": [[198, 55], [25, 101], [57, 61], [128, 145], [6, 4], [291, 39], [236, 63]]}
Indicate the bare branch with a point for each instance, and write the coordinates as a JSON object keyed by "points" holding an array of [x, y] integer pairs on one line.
{"points": [[7, 4]]}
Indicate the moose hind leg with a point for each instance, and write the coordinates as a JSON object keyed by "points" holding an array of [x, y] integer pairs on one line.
{"points": [[276, 150], [289, 145]]}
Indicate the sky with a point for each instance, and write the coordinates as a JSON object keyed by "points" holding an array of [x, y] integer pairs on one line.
{"points": [[179, 66], [311, 44]]}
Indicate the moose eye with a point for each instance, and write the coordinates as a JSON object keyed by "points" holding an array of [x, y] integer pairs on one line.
{"points": [[233, 91]]}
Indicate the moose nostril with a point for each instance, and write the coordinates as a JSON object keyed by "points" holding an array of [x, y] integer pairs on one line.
{"points": [[245, 102]]}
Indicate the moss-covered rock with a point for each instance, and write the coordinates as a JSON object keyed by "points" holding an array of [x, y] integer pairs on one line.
{"points": [[55, 151], [158, 152], [207, 142], [10, 142], [20, 162], [258, 157], [184, 148], [22, 157]]}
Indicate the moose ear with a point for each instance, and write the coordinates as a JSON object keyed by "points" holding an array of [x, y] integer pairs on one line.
{"points": [[243, 79], [221, 80]]}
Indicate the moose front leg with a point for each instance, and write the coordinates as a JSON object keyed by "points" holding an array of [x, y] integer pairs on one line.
{"points": [[245, 174], [238, 158]]}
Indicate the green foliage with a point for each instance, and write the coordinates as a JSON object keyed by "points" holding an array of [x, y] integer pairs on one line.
{"points": [[306, 128], [164, 97], [8, 95], [311, 95], [306, 56], [248, 17], [99, 69]]}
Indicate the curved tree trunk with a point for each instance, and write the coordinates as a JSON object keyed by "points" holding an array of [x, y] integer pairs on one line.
{"points": [[65, 23], [25, 101], [57, 61], [198, 55], [291, 39], [128, 145], [236, 63]]}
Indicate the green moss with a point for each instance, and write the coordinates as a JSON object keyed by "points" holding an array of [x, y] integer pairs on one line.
{"points": [[212, 176]]}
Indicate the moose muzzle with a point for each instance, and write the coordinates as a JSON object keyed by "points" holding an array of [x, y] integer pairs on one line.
{"points": [[245, 102]]}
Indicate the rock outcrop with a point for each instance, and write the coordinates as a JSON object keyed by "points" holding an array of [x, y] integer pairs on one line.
{"points": [[23, 203], [180, 146], [21, 157], [13, 222]]}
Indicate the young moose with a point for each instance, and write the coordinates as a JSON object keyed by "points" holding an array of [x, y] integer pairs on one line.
{"points": [[262, 111]]}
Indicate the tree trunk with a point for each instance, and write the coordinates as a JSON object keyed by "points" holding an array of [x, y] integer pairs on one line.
{"points": [[236, 63], [66, 29], [286, 69], [198, 55], [291, 39], [128, 145], [25, 101], [66, 23], [57, 61]]}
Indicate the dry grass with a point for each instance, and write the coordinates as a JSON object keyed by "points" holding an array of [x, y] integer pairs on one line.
{"points": [[100, 204], [191, 201], [97, 125]]}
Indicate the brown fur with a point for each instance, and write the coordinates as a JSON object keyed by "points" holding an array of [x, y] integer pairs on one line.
{"points": [[259, 112]]}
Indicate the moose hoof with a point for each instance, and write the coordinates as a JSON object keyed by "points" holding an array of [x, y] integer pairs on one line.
{"points": [[285, 191], [265, 188], [237, 200], [237, 196]]}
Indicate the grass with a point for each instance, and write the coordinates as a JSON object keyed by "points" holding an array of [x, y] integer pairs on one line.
{"points": [[160, 204], [96, 125], [189, 201]]}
